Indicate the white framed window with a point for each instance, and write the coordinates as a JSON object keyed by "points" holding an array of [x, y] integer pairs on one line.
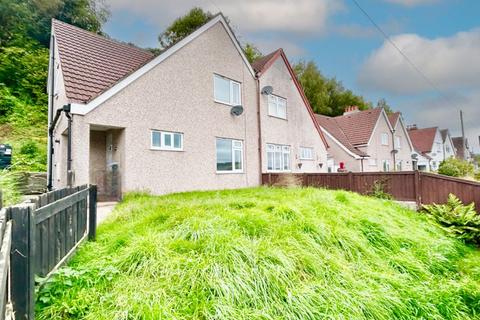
{"points": [[372, 162], [399, 165], [439, 147], [229, 155], [306, 153], [398, 143], [277, 106], [385, 139], [386, 165], [226, 91], [447, 148], [278, 157], [166, 140]]}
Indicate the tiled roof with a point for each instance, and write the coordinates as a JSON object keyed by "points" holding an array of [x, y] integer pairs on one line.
{"points": [[262, 63], [358, 126], [444, 133], [422, 139], [393, 118], [462, 152], [332, 127], [91, 63]]}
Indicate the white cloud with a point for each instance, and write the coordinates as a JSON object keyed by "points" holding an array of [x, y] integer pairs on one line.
{"points": [[248, 15], [444, 113], [411, 3], [450, 63]]}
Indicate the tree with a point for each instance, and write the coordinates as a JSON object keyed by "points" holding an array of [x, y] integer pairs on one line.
{"points": [[456, 168], [382, 103], [326, 96], [251, 52], [183, 26]]}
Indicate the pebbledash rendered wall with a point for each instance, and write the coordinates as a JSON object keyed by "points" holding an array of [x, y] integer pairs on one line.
{"points": [[298, 130], [177, 95]]}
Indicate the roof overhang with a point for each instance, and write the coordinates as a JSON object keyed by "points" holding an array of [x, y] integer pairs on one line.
{"points": [[82, 109]]}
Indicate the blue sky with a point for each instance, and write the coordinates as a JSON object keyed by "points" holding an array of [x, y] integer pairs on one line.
{"points": [[441, 37]]}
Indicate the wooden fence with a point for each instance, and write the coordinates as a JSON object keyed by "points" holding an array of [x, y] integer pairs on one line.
{"points": [[44, 235], [421, 187]]}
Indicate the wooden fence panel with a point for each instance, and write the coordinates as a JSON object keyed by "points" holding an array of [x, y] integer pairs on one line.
{"points": [[421, 187], [5, 245], [436, 188]]}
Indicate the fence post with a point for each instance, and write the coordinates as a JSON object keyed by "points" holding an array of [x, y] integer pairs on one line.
{"points": [[350, 180], [305, 179], [22, 257], [418, 196], [269, 179], [92, 213]]}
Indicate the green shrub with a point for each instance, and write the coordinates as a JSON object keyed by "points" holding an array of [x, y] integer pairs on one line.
{"points": [[378, 191], [477, 176], [456, 168], [457, 219]]}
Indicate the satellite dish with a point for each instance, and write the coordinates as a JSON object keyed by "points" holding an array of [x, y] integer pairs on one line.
{"points": [[236, 110], [267, 90], [414, 156]]}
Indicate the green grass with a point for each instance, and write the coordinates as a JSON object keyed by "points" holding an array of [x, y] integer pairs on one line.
{"points": [[266, 254]]}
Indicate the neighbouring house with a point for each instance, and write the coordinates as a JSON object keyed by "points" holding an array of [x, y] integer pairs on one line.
{"points": [[187, 119], [287, 120], [403, 147], [448, 146], [462, 148], [367, 141], [428, 143]]}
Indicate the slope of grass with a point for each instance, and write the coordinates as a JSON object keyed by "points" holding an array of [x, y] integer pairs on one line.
{"points": [[266, 254]]}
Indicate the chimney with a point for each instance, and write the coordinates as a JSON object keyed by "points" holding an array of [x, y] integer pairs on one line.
{"points": [[350, 110], [412, 127]]}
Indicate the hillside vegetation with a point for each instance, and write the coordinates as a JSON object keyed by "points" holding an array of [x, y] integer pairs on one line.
{"points": [[266, 253]]}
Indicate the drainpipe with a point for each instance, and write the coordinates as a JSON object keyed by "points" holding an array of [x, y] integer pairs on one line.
{"points": [[51, 129], [393, 151], [259, 128], [69, 148], [50, 116]]}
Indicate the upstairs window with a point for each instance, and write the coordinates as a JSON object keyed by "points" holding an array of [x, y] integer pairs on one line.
{"points": [[277, 106], [398, 142], [229, 155], [385, 139], [306, 153], [164, 140], [226, 91], [278, 157]]}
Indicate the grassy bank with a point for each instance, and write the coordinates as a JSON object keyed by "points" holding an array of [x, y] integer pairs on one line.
{"points": [[266, 254]]}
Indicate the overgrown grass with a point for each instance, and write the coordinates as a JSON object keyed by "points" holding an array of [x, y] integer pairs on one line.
{"points": [[9, 188], [266, 254]]}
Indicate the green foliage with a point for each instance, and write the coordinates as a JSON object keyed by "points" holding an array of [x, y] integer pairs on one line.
{"points": [[382, 103], [24, 71], [9, 188], [459, 220], [263, 253], [326, 96], [251, 52], [378, 191], [477, 176], [456, 168], [183, 26]]}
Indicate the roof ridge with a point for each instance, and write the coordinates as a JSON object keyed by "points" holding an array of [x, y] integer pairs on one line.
{"points": [[103, 37]]}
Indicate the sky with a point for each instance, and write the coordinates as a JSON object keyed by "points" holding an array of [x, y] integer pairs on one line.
{"points": [[441, 39]]}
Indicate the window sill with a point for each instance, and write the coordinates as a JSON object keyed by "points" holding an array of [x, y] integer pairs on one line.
{"points": [[226, 103], [279, 171], [163, 149], [275, 117], [305, 159], [229, 172]]}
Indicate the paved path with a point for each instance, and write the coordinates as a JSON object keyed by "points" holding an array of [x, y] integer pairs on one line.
{"points": [[103, 210]]}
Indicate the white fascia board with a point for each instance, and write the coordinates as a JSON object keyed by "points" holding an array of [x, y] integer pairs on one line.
{"points": [[340, 144], [150, 65]]}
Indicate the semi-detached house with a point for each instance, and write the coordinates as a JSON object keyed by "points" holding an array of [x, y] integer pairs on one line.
{"points": [[195, 117], [366, 141]]}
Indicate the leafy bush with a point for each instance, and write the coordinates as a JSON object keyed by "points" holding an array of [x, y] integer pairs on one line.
{"points": [[477, 176], [456, 168], [457, 219], [378, 191]]}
